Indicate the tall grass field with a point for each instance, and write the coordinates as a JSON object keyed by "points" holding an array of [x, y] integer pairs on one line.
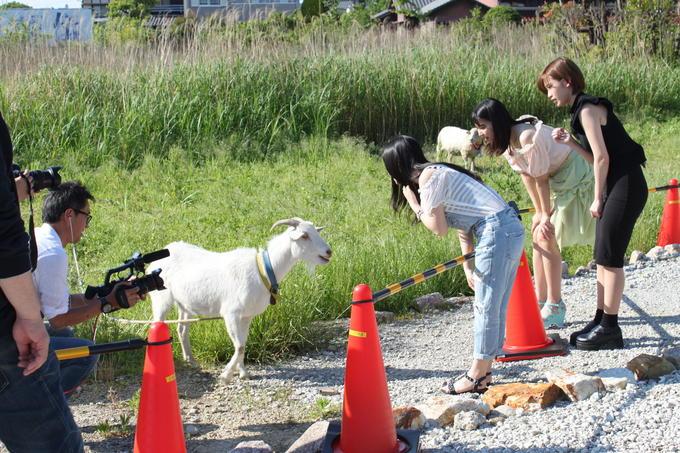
{"points": [[212, 142]]}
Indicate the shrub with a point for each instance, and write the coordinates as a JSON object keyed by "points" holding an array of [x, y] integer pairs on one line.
{"points": [[502, 15]]}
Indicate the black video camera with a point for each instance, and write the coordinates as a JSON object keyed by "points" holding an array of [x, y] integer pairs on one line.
{"points": [[135, 265], [42, 179]]}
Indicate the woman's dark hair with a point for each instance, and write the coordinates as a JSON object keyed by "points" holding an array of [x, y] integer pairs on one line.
{"points": [[67, 195], [404, 161], [494, 111]]}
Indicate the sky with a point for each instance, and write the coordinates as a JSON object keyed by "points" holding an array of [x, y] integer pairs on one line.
{"points": [[48, 3]]}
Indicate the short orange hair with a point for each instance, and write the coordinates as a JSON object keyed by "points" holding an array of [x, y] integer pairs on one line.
{"points": [[562, 69]]}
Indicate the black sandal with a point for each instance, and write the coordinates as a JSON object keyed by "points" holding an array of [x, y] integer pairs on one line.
{"points": [[449, 385]]}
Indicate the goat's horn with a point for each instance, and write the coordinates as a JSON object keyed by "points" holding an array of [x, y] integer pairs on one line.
{"points": [[290, 222], [320, 228]]}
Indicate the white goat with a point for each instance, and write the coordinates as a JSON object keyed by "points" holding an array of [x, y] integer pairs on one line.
{"points": [[456, 140], [201, 282]]}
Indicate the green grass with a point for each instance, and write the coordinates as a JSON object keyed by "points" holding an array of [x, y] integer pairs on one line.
{"points": [[225, 203], [124, 104]]}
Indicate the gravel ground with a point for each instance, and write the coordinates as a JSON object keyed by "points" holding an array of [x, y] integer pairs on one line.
{"points": [[282, 400]]}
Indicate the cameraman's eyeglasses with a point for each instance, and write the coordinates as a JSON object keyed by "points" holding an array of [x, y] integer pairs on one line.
{"points": [[89, 216]]}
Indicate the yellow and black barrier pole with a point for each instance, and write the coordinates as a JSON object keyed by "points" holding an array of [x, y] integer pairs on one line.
{"points": [[84, 351], [661, 188], [421, 277], [650, 190]]}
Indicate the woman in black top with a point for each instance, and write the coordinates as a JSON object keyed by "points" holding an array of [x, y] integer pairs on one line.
{"points": [[620, 191]]}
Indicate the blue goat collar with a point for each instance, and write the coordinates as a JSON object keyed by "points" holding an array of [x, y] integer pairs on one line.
{"points": [[266, 271]]}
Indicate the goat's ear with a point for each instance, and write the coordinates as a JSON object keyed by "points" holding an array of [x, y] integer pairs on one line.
{"points": [[298, 234], [321, 228]]}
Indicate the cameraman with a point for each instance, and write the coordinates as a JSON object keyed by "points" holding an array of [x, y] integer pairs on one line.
{"points": [[66, 215], [34, 415]]}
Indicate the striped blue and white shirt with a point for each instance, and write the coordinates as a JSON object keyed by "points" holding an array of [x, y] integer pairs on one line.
{"points": [[466, 201]]}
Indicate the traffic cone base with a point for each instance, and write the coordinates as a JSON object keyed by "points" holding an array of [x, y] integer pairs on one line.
{"points": [[525, 337], [557, 346], [408, 440]]}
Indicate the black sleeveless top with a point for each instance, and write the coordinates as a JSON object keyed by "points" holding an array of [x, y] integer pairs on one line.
{"points": [[624, 153]]}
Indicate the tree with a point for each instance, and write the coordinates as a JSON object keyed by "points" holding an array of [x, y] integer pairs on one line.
{"points": [[311, 8], [13, 5], [135, 9], [501, 15]]}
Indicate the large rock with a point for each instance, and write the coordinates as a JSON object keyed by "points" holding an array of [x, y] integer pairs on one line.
{"points": [[311, 440], [672, 250], [428, 301], [672, 355], [576, 386], [502, 411], [615, 379], [384, 317], [647, 366], [612, 384], [657, 253], [581, 271], [637, 257], [252, 446], [468, 420], [525, 396], [443, 409], [408, 417]]}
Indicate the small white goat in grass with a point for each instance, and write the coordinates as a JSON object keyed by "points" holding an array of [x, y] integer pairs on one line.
{"points": [[456, 140], [230, 285]]}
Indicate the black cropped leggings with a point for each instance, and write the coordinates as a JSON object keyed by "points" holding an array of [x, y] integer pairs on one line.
{"points": [[625, 199]]}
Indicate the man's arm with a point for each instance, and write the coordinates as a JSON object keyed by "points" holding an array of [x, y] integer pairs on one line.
{"points": [[82, 309], [79, 312], [15, 279], [28, 331]]}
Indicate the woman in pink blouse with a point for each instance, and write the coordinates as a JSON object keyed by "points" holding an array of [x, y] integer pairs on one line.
{"points": [[559, 182]]}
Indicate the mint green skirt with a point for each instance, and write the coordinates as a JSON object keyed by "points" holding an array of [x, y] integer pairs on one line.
{"points": [[572, 194]]}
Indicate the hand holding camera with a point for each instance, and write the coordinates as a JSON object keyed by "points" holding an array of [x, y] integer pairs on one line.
{"points": [[128, 289], [35, 180]]}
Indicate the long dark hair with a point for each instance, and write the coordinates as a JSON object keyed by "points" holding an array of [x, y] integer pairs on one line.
{"points": [[404, 161], [495, 111]]}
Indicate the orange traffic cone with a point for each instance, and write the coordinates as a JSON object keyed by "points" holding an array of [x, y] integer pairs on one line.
{"points": [[525, 336], [159, 423], [669, 233], [367, 422]]}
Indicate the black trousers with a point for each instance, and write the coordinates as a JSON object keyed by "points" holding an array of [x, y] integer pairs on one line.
{"points": [[626, 197]]}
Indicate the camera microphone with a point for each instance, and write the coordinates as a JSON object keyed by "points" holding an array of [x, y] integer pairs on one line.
{"points": [[157, 255]]}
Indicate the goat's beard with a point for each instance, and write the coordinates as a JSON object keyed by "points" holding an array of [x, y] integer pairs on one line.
{"points": [[311, 268]]}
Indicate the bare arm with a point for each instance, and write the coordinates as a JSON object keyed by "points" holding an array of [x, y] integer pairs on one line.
{"points": [[88, 308], [23, 188], [82, 309], [28, 331], [435, 221], [560, 135], [543, 190], [467, 246], [592, 117]]}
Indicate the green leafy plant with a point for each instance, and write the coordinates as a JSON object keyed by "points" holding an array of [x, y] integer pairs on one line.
{"points": [[135, 9], [323, 409], [501, 15]]}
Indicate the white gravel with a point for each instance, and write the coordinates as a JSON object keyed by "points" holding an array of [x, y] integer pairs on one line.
{"points": [[420, 353], [281, 400]]}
